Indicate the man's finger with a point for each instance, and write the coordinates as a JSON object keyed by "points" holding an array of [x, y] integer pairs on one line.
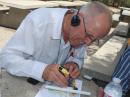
{"points": [[100, 92], [75, 73], [57, 81], [71, 69], [60, 81], [68, 67], [61, 77]]}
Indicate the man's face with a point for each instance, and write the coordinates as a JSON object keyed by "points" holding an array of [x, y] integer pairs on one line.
{"points": [[88, 32], [79, 35]]}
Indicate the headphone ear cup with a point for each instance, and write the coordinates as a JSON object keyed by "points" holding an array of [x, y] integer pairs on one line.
{"points": [[75, 21]]}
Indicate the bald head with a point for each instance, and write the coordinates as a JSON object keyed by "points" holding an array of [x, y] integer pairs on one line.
{"points": [[97, 17]]}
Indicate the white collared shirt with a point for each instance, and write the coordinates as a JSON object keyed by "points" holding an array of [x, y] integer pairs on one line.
{"points": [[38, 43]]}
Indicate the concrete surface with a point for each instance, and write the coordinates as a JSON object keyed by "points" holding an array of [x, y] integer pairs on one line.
{"points": [[13, 86], [26, 4], [17, 87], [101, 64], [125, 17], [2, 8], [122, 29], [96, 45], [80, 2], [30, 4], [5, 35], [69, 4], [115, 10], [125, 8], [13, 18], [19, 9], [115, 17], [126, 12]]}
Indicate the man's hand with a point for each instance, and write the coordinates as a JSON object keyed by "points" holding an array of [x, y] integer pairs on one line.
{"points": [[73, 69], [51, 73], [100, 92]]}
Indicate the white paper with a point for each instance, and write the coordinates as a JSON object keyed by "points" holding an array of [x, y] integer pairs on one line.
{"points": [[54, 93]]}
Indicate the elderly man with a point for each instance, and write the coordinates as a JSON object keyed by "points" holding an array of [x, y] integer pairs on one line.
{"points": [[50, 37]]}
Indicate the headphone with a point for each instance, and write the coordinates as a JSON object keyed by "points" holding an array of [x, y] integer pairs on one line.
{"points": [[75, 21]]}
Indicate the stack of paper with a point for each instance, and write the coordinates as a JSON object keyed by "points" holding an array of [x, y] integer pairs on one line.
{"points": [[45, 92]]}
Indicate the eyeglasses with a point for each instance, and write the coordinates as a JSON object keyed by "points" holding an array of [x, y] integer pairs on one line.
{"points": [[89, 34]]}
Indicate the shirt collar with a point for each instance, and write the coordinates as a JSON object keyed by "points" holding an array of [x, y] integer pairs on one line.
{"points": [[58, 26]]}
